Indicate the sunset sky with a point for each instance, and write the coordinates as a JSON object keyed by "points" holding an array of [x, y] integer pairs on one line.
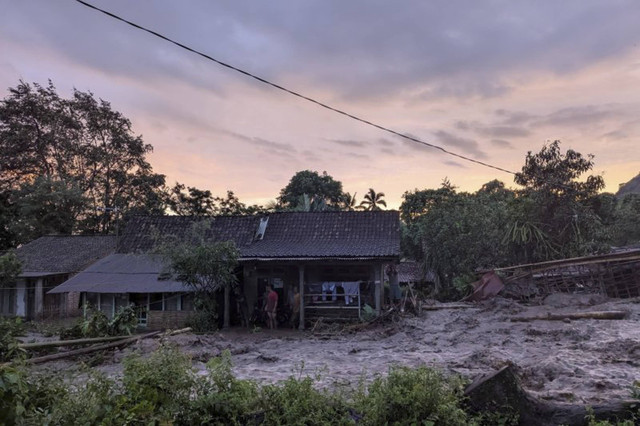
{"points": [[487, 79]]}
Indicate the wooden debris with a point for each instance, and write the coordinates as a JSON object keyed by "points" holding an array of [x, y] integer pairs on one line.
{"points": [[501, 392], [90, 349], [600, 315], [74, 342], [447, 306], [174, 332]]}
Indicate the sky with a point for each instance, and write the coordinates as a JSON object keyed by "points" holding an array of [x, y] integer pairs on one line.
{"points": [[490, 80]]}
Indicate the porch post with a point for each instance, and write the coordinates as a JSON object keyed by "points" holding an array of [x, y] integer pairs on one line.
{"points": [[301, 291], [226, 322], [38, 299], [379, 292]]}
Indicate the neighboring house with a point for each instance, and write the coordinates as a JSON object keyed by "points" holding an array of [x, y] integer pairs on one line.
{"points": [[412, 272], [46, 263], [335, 259]]}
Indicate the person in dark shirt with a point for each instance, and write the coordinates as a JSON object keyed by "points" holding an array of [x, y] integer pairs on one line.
{"points": [[271, 308]]}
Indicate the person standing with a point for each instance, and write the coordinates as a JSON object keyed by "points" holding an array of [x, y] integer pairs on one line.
{"points": [[271, 307]]}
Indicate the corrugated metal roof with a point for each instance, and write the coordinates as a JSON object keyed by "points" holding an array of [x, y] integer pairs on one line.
{"points": [[122, 273]]}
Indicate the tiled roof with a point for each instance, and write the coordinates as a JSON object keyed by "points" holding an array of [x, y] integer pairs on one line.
{"points": [[288, 234], [329, 234], [53, 254], [143, 233]]}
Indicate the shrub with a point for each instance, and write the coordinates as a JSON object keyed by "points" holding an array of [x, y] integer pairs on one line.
{"points": [[412, 396], [298, 402], [96, 324], [220, 398], [157, 387], [10, 329]]}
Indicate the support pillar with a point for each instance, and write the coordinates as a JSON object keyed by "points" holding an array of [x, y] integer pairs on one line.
{"points": [[226, 319], [301, 291], [38, 305], [21, 298], [379, 291]]}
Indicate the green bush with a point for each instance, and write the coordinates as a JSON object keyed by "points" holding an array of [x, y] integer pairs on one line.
{"points": [[298, 402], [205, 318], [221, 399], [421, 396], [10, 329], [96, 324], [158, 386]]}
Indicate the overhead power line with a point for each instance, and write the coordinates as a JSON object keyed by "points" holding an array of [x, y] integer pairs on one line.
{"points": [[293, 93]]}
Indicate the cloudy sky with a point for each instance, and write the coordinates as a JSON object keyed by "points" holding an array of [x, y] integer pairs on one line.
{"points": [[487, 79]]}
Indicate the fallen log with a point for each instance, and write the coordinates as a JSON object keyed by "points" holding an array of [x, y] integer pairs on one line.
{"points": [[439, 307], [74, 342], [501, 392], [600, 315], [90, 349]]}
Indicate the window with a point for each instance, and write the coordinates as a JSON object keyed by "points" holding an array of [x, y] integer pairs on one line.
{"points": [[155, 304], [187, 302], [106, 304], [121, 300], [171, 301]]}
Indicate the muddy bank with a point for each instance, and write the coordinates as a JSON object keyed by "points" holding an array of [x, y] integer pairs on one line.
{"points": [[582, 361]]}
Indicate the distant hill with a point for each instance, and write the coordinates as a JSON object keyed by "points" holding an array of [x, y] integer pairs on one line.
{"points": [[631, 187]]}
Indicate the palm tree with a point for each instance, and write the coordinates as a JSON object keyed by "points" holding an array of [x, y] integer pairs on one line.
{"points": [[372, 201], [349, 202]]}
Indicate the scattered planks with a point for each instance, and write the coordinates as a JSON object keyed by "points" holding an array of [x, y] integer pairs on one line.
{"points": [[502, 392], [600, 315]]}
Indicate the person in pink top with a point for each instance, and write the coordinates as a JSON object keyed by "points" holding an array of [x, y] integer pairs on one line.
{"points": [[271, 308]]}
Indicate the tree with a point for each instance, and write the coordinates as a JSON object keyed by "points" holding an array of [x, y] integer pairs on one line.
{"points": [[373, 200], [315, 186], [205, 266], [626, 226], [10, 268], [231, 205], [556, 206], [349, 202], [80, 144], [459, 234], [47, 206], [193, 202]]}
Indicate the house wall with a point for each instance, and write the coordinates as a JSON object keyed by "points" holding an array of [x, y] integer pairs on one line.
{"points": [[158, 320]]}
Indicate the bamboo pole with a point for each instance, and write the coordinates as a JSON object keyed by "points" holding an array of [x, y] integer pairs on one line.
{"points": [[61, 355], [74, 342]]}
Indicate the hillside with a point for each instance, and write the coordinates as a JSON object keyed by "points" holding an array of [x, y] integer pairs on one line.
{"points": [[631, 187]]}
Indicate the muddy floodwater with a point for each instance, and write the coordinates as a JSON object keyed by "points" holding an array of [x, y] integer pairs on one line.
{"points": [[581, 361]]}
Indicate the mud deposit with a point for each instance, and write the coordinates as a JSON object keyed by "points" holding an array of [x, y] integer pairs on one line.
{"points": [[582, 361]]}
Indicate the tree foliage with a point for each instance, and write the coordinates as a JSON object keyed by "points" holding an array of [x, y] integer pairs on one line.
{"points": [[321, 188], [557, 213], [10, 268], [204, 265], [372, 201], [75, 157]]}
